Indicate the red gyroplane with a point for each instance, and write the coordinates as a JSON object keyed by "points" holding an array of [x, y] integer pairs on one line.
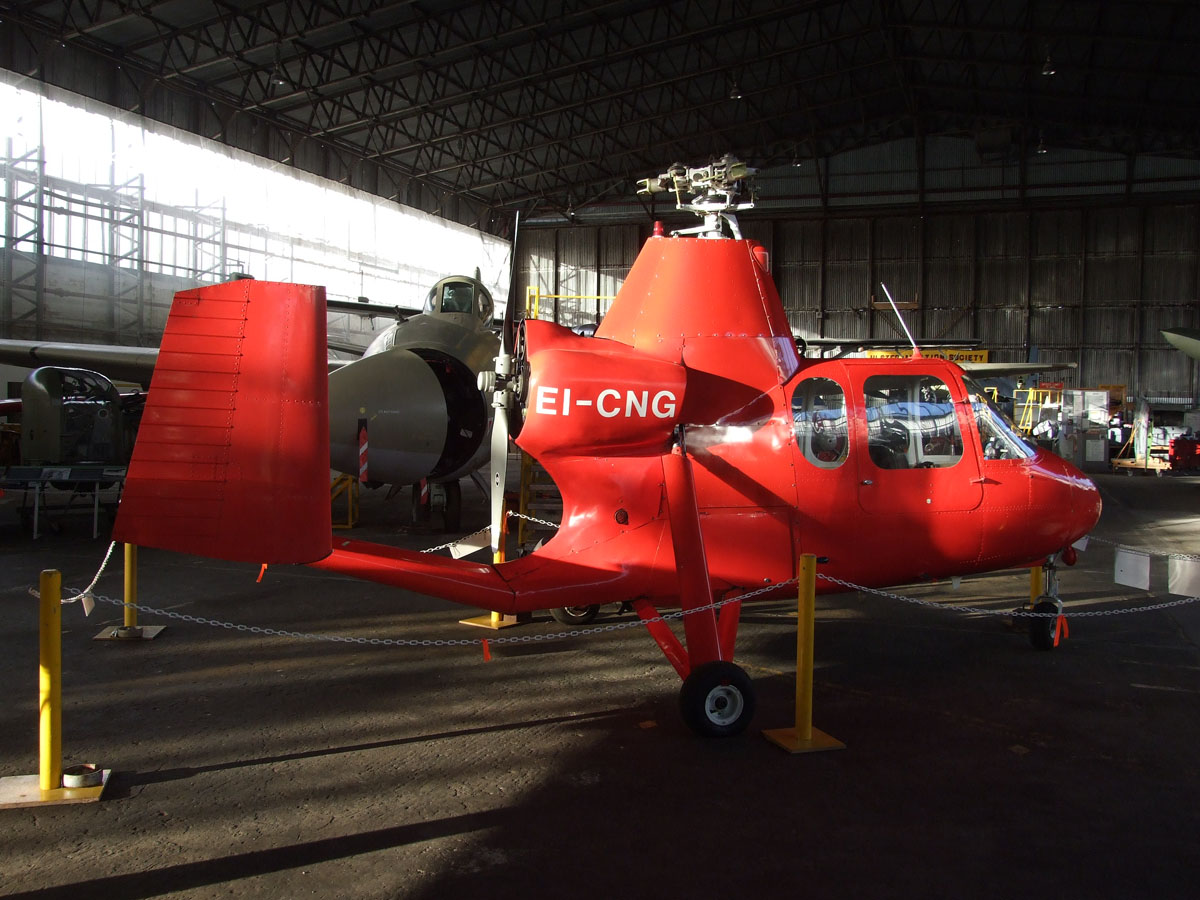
{"points": [[698, 455]]}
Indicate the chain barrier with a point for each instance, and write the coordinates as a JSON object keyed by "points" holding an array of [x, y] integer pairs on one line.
{"points": [[517, 515], [457, 540], [438, 642], [1006, 613], [486, 528], [87, 594]]}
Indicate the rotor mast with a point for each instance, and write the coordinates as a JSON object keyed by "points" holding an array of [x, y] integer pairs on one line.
{"points": [[717, 191]]}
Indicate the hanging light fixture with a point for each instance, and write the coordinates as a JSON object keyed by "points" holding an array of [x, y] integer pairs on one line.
{"points": [[1048, 66], [277, 77], [735, 92]]}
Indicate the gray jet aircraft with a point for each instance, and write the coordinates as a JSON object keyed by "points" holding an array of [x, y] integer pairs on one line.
{"points": [[414, 388]]}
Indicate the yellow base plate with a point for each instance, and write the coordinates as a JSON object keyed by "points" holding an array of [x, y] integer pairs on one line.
{"points": [[787, 739], [146, 633], [488, 622], [20, 791]]}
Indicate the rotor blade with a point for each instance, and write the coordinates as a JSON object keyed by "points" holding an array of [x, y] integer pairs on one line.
{"points": [[508, 332], [999, 369], [499, 468], [1186, 340], [500, 397]]}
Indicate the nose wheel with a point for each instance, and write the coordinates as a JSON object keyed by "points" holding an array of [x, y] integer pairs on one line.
{"points": [[717, 699], [1043, 626]]}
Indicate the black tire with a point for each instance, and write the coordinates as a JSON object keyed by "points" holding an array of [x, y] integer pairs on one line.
{"points": [[452, 513], [575, 615], [717, 700], [1042, 628]]}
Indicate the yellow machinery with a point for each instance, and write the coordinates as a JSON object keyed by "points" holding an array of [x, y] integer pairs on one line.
{"points": [[1028, 404], [534, 298], [346, 485]]}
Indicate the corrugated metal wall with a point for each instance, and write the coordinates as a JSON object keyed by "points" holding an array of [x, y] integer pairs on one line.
{"points": [[1088, 286], [575, 269]]}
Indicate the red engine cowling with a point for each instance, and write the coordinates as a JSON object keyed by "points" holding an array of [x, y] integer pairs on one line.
{"points": [[595, 397]]}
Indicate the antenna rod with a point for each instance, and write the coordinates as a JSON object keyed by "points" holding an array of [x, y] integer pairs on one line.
{"points": [[896, 310]]}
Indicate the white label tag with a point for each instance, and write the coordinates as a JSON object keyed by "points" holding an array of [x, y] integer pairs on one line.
{"points": [[470, 544], [1183, 577], [1132, 569]]}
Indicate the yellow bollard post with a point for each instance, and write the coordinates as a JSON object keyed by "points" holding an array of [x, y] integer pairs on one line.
{"points": [[802, 737], [1037, 586], [805, 640], [52, 784], [130, 631], [50, 680], [131, 585], [498, 556]]}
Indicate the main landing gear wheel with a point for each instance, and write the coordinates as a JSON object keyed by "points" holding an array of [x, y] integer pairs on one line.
{"points": [[717, 699], [575, 615], [1042, 627]]}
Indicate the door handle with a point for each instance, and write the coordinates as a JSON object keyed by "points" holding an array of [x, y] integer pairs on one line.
{"points": [[867, 481]]}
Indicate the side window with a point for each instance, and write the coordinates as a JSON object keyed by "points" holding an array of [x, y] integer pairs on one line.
{"points": [[996, 433], [911, 423], [819, 417], [485, 306]]}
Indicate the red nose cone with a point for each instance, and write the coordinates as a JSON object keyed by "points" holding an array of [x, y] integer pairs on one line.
{"points": [[1067, 501]]}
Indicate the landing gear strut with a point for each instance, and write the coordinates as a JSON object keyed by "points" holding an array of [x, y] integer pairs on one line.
{"points": [[445, 498]]}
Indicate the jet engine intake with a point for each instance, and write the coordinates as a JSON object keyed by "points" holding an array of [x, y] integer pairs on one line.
{"points": [[466, 410], [424, 416]]}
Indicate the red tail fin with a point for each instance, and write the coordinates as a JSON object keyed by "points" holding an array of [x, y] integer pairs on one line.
{"points": [[232, 456]]}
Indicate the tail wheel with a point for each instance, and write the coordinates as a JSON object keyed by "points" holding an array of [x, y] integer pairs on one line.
{"points": [[575, 615], [717, 699], [1043, 626]]}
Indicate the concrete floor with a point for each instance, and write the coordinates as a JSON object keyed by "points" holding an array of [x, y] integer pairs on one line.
{"points": [[256, 766]]}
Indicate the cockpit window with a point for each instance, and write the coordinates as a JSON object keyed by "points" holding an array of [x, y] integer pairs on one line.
{"points": [[819, 417], [911, 423], [997, 434], [457, 297]]}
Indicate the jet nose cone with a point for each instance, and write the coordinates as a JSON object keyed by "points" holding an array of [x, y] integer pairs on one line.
{"points": [[1068, 499]]}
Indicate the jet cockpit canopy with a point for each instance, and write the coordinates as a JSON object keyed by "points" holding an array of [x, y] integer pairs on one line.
{"points": [[462, 295]]}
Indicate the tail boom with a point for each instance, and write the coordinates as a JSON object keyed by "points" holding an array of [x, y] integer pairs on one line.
{"points": [[457, 580]]}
